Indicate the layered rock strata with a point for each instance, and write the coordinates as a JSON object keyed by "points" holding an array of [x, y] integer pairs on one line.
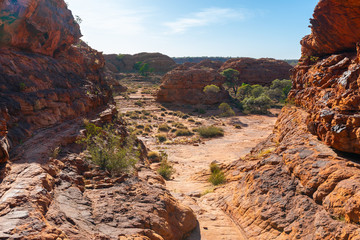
{"points": [[185, 84], [258, 71], [327, 85], [125, 62], [292, 186], [303, 182], [67, 197], [48, 189]]}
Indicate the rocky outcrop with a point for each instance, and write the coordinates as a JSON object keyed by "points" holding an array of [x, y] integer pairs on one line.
{"points": [[328, 86], [48, 188], [64, 196], [292, 186], [258, 71], [296, 184], [335, 28], [125, 62], [185, 84], [38, 26]]}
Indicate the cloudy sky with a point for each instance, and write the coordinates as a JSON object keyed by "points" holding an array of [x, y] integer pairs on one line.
{"points": [[237, 28]]}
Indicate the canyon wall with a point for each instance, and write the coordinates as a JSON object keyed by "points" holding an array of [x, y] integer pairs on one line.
{"points": [[125, 62], [185, 84], [50, 82], [258, 71], [303, 182]]}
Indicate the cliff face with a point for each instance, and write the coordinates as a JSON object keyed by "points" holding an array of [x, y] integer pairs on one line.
{"points": [[259, 71], [328, 86], [48, 188], [294, 185], [125, 63], [185, 84], [39, 26], [335, 28]]}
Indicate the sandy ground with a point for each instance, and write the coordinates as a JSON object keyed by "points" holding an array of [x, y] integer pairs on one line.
{"points": [[191, 162]]}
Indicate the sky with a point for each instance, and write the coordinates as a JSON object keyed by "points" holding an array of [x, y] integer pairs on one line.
{"points": [[227, 28]]}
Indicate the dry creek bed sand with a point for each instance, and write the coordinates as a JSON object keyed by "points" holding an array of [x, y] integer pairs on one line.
{"points": [[191, 162]]}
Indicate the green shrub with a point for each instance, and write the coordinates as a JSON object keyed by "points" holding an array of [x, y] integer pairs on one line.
{"points": [[165, 169], [154, 156], [226, 110], [257, 90], [257, 105], [161, 137], [183, 132], [217, 177], [211, 89], [210, 132], [139, 103], [110, 150], [164, 127], [179, 125]]}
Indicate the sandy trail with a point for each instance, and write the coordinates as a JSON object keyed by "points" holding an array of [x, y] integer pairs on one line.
{"points": [[189, 183]]}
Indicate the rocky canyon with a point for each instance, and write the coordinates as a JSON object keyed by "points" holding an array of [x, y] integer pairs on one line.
{"points": [[294, 174]]}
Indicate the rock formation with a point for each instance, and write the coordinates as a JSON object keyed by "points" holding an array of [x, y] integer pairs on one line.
{"points": [[293, 185], [185, 84], [328, 86], [259, 71], [335, 28], [38, 26], [125, 63], [48, 85]]}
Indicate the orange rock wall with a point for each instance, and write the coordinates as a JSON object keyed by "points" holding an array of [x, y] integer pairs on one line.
{"points": [[39, 26], [292, 186]]}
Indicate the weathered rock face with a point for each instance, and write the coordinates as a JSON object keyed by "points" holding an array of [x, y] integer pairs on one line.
{"points": [[335, 28], [125, 63], [67, 197], [328, 87], [259, 71], [46, 89], [186, 83], [292, 186], [39, 26]]}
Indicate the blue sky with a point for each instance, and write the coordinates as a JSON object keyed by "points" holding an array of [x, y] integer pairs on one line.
{"points": [[237, 28]]}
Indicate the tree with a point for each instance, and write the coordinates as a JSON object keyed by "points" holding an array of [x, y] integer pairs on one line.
{"points": [[232, 79], [143, 68]]}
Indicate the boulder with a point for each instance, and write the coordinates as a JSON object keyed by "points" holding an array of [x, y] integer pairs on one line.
{"points": [[185, 85], [38, 26], [335, 28], [258, 71]]}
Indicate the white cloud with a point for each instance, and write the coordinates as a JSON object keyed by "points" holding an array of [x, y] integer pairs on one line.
{"points": [[110, 17], [206, 17]]}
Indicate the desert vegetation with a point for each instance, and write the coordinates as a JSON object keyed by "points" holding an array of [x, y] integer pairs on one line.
{"points": [[109, 149]]}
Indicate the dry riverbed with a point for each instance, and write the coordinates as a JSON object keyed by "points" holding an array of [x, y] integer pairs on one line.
{"points": [[191, 156]]}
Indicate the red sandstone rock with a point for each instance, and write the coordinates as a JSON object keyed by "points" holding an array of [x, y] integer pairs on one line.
{"points": [[45, 91], [125, 63], [39, 26], [258, 71], [328, 87], [300, 189], [335, 28], [186, 83]]}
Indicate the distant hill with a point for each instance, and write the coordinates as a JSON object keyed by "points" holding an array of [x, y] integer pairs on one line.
{"points": [[182, 60], [292, 62]]}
